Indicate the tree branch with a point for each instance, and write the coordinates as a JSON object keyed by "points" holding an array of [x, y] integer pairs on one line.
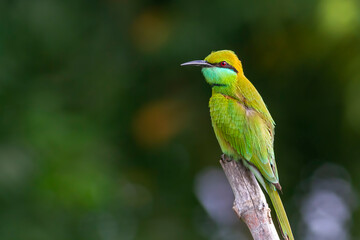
{"points": [[250, 203]]}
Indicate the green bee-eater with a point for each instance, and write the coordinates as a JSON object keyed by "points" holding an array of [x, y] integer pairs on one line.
{"points": [[243, 125]]}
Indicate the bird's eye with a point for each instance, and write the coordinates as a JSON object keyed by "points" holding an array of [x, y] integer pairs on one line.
{"points": [[223, 63]]}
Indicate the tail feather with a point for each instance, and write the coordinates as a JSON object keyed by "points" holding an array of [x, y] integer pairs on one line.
{"points": [[280, 211]]}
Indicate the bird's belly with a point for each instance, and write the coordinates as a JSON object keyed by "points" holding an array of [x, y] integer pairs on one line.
{"points": [[223, 111]]}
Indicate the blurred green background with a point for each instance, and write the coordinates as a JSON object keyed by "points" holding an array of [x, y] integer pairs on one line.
{"points": [[104, 136]]}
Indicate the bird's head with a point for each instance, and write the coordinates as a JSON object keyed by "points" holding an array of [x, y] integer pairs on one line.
{"points": [[220, 69]]}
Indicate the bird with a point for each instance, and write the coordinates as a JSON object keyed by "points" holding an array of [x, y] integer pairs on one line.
{"points": [[242, 124]]}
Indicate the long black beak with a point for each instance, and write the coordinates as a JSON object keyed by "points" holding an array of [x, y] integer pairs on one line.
{"points": [[200, 63]]}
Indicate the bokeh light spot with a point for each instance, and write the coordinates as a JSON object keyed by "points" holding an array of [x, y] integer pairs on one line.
{"points": [[338, 17], [150, 30], [157, 122]]}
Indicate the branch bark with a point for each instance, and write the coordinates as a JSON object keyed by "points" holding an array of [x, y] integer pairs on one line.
{"points": [[250, 203]]}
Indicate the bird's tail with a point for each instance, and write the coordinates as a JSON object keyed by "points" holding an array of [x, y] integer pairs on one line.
{"points": [[280, 211]]}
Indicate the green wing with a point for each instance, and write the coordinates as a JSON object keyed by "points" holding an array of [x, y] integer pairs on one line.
{"points": [[253, 99], [244, 132]]}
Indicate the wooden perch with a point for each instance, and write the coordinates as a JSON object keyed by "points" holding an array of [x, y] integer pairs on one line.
{"points": [[250, 203]]}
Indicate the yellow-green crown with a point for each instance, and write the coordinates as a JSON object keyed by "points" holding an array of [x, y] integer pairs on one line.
{"points": [[227, 56]]}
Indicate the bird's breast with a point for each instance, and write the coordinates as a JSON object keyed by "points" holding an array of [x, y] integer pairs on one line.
{"points": [[228, 118], [223, 109]]}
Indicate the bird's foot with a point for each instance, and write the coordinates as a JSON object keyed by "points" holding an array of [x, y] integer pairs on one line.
{"points": [[225, 158]]}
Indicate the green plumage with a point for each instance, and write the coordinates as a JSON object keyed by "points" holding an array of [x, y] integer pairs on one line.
{"points": [[243, 125], [242, 134]]}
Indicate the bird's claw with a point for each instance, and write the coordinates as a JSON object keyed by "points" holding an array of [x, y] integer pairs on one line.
{"points": [[226, 158]]}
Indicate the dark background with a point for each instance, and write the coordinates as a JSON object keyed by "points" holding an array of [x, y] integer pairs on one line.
{"points": [[104, 136]]}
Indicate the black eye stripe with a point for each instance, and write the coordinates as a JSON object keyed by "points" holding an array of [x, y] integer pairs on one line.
{"points": [[226, 66]]}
